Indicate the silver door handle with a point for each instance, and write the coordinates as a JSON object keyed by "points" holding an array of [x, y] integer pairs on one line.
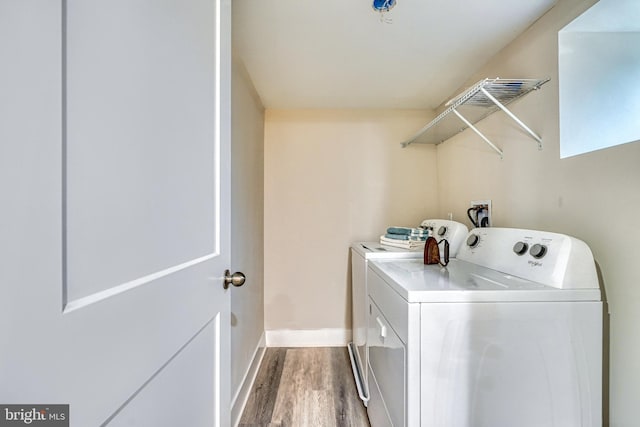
{"points": [[235, 279]]}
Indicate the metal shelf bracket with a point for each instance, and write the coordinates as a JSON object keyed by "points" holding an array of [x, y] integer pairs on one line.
{"points": [[480, 134], [514, 117]]}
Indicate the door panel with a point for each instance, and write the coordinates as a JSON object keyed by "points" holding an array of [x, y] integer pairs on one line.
{"points": [[139, 115], [154, 404], [115, 237]]}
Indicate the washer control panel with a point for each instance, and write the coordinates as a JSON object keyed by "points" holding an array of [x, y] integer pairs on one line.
{"points": [[543, 257], [454, 232]]}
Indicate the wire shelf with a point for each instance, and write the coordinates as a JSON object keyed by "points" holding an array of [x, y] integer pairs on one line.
{"points": [[477, 102]]}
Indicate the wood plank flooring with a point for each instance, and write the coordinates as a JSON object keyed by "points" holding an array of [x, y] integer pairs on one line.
{"points": [[304, 387]]}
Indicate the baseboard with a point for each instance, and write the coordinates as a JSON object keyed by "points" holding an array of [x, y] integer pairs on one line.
{"points": [[308, 338], [240, 399]]}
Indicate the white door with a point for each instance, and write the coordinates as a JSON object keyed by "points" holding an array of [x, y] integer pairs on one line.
{"points": [[114, 149]]}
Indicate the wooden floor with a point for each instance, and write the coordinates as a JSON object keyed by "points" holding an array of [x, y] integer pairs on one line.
{"points": [[304, 387]]}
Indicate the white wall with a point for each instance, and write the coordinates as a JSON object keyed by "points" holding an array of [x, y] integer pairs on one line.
{"points": [[333, 178], [595, 197], [247, 164]]}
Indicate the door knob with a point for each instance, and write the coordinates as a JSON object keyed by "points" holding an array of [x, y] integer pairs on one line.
{"points": [[235, 279]]}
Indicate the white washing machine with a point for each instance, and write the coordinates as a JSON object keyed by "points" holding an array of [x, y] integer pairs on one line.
{"points": [[361, 254], [508, 334]]}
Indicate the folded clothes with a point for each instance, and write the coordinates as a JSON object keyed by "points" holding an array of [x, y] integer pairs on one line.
{"points": [[404, 244], [397, 236], [399, 230], [404, 237], [401, 245], [406, 231]]}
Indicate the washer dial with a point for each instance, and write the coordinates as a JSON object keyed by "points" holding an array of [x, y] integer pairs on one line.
{"points": [[538, 250], [520, 248]]}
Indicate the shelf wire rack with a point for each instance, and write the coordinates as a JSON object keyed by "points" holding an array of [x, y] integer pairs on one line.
{"points": [[479, 101]]}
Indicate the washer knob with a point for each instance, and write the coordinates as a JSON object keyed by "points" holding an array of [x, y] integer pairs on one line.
{"points": [[473, 240], [538, 250], [520, 248], [442, 231]]}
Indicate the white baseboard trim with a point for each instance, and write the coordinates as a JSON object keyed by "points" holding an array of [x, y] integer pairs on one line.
{"points": [[308, 338], [242, 395]]}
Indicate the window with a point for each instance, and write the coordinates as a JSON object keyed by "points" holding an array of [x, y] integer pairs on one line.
{"points": [[599, 78]]}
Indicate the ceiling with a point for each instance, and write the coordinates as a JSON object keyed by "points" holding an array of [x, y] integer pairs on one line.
{"points": [[339, 53]]}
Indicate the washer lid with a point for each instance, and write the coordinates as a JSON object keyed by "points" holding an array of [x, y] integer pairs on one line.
{"points": [[463, 281]]}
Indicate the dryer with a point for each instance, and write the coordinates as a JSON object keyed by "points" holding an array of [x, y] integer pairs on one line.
{"points": [[361, 254], [508, 334]]}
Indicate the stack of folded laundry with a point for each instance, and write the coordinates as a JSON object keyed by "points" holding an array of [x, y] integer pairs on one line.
{"points": [[405, 237]]}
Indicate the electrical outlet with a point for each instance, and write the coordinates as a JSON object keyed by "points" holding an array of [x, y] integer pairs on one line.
{"points": [[481, 213]]}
